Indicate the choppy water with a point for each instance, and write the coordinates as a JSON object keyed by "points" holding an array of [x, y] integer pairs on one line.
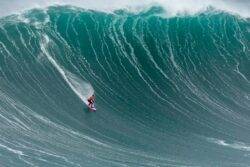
{"points": [[169, 91]]}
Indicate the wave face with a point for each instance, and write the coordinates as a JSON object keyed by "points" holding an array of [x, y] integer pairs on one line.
{"points": [[170, 91]]}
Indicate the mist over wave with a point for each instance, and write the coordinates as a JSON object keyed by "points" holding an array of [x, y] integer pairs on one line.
{"points": [[170, 91], [172, 7]]}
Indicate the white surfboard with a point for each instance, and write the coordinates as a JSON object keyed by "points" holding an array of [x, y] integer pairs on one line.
{"points": [[92, 108]]}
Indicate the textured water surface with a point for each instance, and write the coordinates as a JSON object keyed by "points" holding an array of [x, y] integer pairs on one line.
{"points": [[170, 91]]}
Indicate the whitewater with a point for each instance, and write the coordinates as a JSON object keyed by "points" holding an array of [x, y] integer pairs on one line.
{"points": [[171, 79]]}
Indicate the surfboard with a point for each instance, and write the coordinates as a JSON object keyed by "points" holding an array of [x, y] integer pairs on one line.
{"points": [[92, 108]]}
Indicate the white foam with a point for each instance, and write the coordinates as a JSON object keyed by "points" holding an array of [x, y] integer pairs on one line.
{"points": [[235, 145], [81, 88], [12, 150], [173, 7]]}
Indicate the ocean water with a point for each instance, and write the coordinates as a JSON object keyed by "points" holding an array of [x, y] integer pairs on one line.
{"points": [[170, 91]]}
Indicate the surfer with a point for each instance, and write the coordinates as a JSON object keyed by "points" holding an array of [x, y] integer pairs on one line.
{"points": [[91, 101]]}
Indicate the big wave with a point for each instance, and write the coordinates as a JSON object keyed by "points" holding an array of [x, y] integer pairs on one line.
{"points": [[171, 91]]}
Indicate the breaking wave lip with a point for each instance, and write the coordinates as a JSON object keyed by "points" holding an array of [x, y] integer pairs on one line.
{"points": [[172, 7]]}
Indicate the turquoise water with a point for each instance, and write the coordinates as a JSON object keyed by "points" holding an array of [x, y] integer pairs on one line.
{"points": [[169, 91]]}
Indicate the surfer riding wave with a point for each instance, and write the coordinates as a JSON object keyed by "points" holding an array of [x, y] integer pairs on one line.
{"points": [[91, 101]]}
